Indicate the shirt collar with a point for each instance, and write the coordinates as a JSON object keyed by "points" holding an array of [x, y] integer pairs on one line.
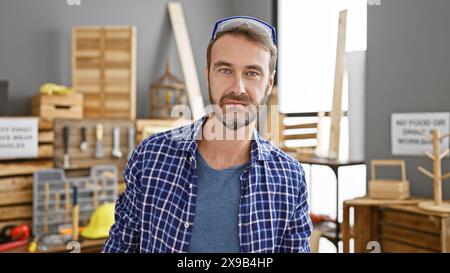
{"points": [[187, 136]]}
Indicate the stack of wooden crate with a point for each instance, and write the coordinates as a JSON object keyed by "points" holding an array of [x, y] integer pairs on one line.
{"points": [[104, 70], [397, 225], [49, 107], [16, 179]]}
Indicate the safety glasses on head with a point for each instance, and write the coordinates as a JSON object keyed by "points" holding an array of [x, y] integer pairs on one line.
{"points": [[235, 21]]}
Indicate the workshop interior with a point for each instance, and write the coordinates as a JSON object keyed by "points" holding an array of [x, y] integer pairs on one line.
{"points": [[361, 99]]}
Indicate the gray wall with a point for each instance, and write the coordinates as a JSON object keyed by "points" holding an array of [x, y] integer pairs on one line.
{"points": [[408, 70], [35, 44]]}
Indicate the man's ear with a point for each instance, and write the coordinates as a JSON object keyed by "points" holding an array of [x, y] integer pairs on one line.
{"points": [[207, 75], [271, 82]]}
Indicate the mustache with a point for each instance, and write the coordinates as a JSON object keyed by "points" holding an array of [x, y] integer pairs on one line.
{"points": [[242, 98]]}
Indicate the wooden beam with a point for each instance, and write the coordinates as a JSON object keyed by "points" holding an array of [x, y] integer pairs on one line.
{"points": [[16, 197], [22, 168], [15, 212], [336, 112], [18, 183], [187, 59]]}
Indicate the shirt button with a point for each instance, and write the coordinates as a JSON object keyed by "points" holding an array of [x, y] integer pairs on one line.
{"points": [[186, 225], [190, 186]]}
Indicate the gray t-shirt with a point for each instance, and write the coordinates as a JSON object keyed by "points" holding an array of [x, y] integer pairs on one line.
{"points": [[215, 226]]}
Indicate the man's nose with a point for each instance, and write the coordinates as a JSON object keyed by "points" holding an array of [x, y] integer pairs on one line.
{"points": [[238, 86]]}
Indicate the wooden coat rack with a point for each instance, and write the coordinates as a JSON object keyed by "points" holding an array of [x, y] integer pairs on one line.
{"points": [[438, 204]]}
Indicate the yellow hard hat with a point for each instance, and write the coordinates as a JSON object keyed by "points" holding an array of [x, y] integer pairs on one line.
{"points": [[101, 221]]}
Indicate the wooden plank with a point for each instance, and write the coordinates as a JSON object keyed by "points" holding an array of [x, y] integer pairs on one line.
{"points": [[46, 136], [408, 236], [15, 212], [88, 53], [418, 210], [382, 202], [301, 126], [27, 222], [19, 183], [133, 78], [70, 99], [25, 167], [187, 59], [445, 235], [346, 228], [45, 124], [363, 228], [390, 246], [336, 112], [117, 56], [300, 136], [16, 197], [45, 151], [414, 221]]}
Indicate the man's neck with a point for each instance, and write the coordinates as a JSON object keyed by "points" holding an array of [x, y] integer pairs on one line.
{"points": [[224, 148]]}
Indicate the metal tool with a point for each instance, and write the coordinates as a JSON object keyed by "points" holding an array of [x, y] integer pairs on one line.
{"points": [[116, 143], [98, 141], [66, 202], [66, 133], [95, 196], [131, 140], [46, 205], [57, 200], [84, 141]]}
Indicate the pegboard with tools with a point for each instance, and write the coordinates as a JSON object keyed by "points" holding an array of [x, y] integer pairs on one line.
{"points": [[63, 203], [85, 143]]}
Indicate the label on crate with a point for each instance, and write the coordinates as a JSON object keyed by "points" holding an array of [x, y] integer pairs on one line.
{"points": [[408, 129], [18, 138]]}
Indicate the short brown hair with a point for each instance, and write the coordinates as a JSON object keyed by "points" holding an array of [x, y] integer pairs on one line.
{"points": [[250, 34]]}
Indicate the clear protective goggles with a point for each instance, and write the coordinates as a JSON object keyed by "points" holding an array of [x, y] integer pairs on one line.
{"points": [[235, 21]]}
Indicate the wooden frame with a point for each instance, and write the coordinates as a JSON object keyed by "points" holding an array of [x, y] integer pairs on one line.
{"points": [[104, 70]]}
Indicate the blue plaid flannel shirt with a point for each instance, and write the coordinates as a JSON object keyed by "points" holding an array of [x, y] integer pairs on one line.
{"points": [[156, 212]]}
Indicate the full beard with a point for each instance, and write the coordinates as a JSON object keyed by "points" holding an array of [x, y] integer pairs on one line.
{"points": [[236, 117]]}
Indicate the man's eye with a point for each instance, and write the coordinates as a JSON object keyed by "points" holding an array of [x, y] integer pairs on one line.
{"points": [[225, 70], [252, 74]]}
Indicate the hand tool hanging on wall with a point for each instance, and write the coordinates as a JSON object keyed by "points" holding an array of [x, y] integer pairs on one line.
{"points": [[57, 200], [131, 140], [75, 214], [95, 193], [66, 132], [84, 140], [116, 143], [98, 141], [46, 204], [66, 202]]}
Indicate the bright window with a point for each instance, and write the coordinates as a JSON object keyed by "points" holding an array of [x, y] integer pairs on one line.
{"points": [[307, 52]]}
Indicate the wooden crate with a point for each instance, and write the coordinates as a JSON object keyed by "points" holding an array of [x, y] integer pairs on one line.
{"points": [[104, 70], [58, 106], [16, 180], [397, 227]]}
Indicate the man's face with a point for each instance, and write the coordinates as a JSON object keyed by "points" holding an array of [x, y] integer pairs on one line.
{"points": [[239, 80]]}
